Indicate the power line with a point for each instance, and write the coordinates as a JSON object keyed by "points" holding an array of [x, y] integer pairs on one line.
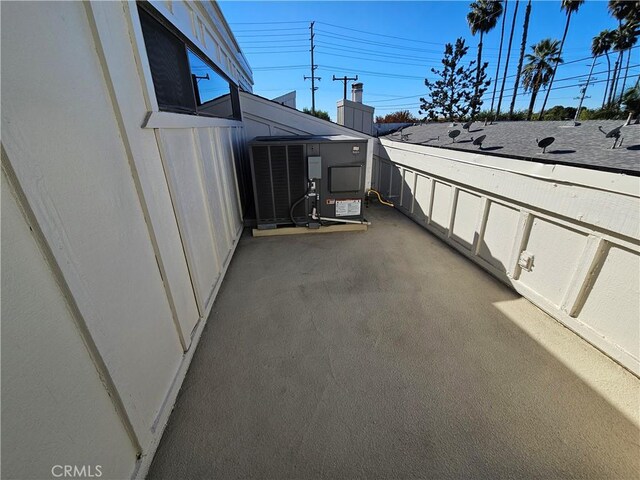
{"points": [[397, 98], [276, 46], [372, 42], [369, 72], [375, 60], [375, 34], [281, 40], [262, 35], [266, 23], [346, 48], [254, 30], [281, 67], [276, 52]]}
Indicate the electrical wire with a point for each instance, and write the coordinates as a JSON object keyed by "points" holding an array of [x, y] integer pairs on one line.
{"points": [[268, 23], [377, 35], [295, 204], [384, 202], [369, 72], [344, 38], [252, 30], [373, 59], [262, 35], [360, 50]]}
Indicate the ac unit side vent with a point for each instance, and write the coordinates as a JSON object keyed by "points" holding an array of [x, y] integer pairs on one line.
{"points": [[262, 178], [280, 181], [297, 179]]}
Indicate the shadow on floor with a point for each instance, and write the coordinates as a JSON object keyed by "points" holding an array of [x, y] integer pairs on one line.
{"points": [[561, 152]]}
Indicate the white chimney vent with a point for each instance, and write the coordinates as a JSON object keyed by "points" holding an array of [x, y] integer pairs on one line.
{"points": [[356, 92]]}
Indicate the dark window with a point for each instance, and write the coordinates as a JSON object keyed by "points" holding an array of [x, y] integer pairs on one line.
{"points": [[169, 66], [212, 91], [182, 80]]}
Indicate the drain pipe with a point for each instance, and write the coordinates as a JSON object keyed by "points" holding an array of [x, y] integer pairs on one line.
{"points": [[315, 216], [344, 220]]}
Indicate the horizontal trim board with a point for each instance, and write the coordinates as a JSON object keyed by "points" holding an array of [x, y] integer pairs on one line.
{"points": [[303, 231], [179, 120]]}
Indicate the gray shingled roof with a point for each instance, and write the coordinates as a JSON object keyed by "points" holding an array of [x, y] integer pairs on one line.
{"points": [[583, 145]]}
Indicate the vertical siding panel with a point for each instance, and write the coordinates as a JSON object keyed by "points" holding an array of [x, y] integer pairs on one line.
{"points": [[219, 165], [214, 196], [187, 191]]}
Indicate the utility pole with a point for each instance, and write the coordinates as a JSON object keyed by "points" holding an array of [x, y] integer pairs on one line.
{"points": [[582, 96], [345, 79], [583, 91], [313, 69]]}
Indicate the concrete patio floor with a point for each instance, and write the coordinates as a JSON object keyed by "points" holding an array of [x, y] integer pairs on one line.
{"points": [[387, 355]]}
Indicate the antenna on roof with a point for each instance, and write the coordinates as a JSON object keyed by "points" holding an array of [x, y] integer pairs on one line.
{"points": [[545, 142], [453, 134], [615, 134], [478, 141], [467, 125]]}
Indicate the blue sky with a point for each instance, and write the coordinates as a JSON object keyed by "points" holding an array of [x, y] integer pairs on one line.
{"points": [[392, 45]]}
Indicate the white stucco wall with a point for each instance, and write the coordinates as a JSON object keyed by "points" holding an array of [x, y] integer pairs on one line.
{"points": [[106, 279], [288, 99], [581, 226], [355, 115]]}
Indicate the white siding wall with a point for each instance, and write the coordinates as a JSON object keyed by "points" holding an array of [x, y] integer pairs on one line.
{"points": [[136, 228], [55, 408], [581, 226]]}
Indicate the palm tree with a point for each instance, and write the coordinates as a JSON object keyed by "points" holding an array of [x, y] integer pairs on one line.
{"points": [[616, 46], [601, 45], [523, 46], [506, 63], [596, 46], [628, 38], [624, 37], [482, 18], [631, 101], [537, 73], [624, 10], [495, 80], [569, 6]]}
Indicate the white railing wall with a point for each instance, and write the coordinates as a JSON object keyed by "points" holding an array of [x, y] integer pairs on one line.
{"points": [[118, 224], [581, 228]]}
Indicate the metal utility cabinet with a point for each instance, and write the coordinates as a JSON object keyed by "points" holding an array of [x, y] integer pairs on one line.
{"points": [[321, 177]]}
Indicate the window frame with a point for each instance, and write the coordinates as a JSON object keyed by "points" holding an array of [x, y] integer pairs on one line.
{"points": [[160, 114]]}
